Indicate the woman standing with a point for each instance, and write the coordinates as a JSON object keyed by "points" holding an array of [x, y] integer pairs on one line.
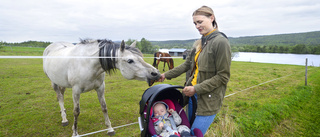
{"points": [[209, 62]]}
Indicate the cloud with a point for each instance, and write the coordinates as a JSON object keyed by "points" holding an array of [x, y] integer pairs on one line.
{"points": [[271, 17], [69, 20]]}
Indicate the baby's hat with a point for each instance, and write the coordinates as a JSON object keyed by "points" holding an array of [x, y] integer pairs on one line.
{"points": [[167, 102]]}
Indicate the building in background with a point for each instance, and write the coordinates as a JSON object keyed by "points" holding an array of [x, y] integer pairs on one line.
{"points": [[164, 50], [177, 52]]}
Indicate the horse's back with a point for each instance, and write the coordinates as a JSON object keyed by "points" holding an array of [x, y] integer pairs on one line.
{"points": [[56, 47]]}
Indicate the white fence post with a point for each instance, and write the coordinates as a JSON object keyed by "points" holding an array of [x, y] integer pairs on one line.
{"points": [[306, 75]]}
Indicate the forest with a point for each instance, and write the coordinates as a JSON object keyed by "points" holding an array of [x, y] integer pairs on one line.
{"points": [[297, 43], [144, 45], [26, 44]]}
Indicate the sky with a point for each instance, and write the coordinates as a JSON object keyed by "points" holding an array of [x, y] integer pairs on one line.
{"points": [[154, 20]]}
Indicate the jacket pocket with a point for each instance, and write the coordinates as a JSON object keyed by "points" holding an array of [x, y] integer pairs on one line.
{"points": [[208, 102]]}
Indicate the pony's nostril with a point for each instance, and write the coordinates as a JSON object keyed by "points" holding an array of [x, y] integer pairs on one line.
{"points": [[154, 73]]}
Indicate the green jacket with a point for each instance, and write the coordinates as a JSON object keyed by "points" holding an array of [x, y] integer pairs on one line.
{"points": [[214, 72]]}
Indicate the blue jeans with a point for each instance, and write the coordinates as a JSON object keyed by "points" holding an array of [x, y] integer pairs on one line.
{"points": [[190, 106], [201, 122]]}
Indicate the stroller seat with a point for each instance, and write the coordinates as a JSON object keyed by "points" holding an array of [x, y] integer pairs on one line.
{"points": [[159, 93]]}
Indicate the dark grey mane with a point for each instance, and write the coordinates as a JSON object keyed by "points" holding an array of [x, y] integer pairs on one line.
{"points": [[108, 49]]}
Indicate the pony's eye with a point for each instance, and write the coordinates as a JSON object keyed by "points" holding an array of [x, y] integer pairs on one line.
{"points": [[130, 61]]}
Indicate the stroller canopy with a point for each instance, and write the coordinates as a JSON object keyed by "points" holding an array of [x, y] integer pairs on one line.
{"points": [[153, 94], [156, 93]]}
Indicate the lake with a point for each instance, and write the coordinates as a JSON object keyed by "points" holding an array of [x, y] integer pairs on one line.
{"points": [[278, 58]]}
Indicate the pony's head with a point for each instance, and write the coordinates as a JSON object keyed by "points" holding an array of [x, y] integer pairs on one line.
{"points": [[132, 66]]}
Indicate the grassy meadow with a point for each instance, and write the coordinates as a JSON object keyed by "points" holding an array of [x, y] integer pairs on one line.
{"points": [[283, 107]]}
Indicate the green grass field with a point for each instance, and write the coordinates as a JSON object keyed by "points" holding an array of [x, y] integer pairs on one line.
{"points": [[284, 107]]}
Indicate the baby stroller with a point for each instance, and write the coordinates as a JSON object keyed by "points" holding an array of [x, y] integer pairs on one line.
{"points": [[158, 93]]}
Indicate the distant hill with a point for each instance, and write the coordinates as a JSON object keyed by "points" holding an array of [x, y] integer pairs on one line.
{"points": [[186, 44], [307, 38]]}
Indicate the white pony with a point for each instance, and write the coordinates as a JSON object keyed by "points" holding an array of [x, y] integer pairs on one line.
{"points": [[82, 67]]}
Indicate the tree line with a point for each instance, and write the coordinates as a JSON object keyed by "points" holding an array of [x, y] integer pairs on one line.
{"points": [[297, 43], [26, 44], [183, 44], [143, 45], [307, 38]]}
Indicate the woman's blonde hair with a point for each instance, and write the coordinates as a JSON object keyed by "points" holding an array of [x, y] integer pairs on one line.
{"points": [[197, 45], [208, 12]]}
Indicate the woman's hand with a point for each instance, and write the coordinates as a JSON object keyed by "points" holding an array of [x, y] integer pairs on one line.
{"points": [[162, 78], [189, 91]]}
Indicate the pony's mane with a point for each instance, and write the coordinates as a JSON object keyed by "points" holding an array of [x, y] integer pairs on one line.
{"points": [[90, 41], [107, 48], [103, 42]]}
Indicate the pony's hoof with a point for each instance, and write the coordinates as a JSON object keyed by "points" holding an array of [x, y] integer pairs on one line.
{"points": [[65, 123], [111, 132]]}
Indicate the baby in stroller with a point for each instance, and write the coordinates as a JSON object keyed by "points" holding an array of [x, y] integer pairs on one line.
{"points": [[171, 98], [167, 121]]}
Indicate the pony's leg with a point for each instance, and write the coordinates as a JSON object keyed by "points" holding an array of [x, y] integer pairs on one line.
{"points": [[168, 65], [60, 98], [164, 65], [102, 100], [76, 109], [158, 63]]}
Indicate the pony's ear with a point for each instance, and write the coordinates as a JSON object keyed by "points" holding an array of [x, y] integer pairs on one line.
{"points": [[133, 44], [122, 46]]}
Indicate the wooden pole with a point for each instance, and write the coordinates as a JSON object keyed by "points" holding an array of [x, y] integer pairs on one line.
{"points": [[306, 75]]}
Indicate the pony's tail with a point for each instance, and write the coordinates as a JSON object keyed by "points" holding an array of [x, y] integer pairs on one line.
{"points": [[155, 59], [171, 62]]}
